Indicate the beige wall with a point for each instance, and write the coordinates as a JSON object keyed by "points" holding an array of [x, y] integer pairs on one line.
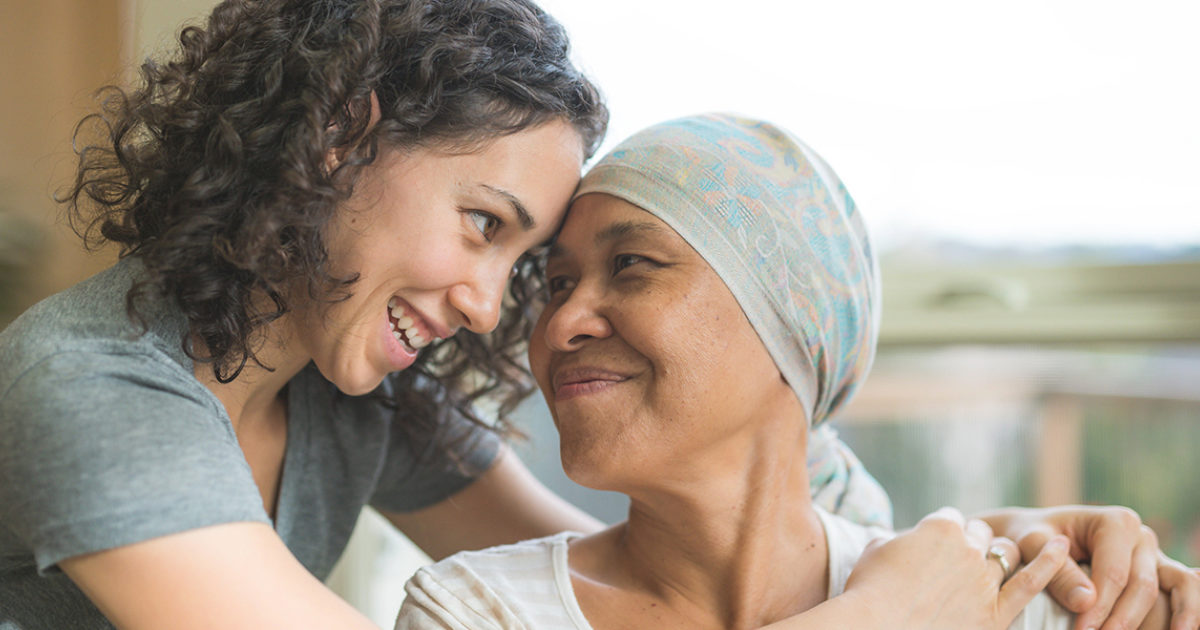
{"points": [[156, 22], [53, 55]]}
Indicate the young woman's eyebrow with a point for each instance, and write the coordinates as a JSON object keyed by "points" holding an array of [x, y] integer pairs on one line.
{"points": [[523, 216]]}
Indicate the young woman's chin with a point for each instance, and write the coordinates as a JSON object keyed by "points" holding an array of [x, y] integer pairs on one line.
{"points": [[366, 367], [363, 376], [357, 384]]}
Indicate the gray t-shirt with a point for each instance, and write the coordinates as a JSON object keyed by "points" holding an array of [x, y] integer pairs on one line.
{"points": [[107, 438]]}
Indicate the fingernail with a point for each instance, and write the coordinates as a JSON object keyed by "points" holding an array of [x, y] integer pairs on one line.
{"points": [[1078, 597]]}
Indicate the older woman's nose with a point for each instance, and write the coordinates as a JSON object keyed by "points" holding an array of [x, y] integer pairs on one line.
{"points": [[478, 299], [575, 321]]}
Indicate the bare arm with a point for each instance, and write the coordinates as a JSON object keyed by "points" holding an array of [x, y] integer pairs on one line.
{"points": [[233, 576], [934, 577], [506, 504]]}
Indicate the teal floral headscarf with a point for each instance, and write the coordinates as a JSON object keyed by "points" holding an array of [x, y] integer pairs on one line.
{"points": [[777, 225]]}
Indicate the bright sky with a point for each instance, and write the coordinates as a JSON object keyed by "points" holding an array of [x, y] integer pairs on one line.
{"points": [[1027, 122]]}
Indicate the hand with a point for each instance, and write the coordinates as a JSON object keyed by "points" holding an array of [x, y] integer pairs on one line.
{"points": [[1182, 586], [938, 575], [1127, 568]]}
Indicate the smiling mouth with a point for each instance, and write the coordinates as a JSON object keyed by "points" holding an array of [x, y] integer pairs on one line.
{"points": [[572, 383], [405, 326]]}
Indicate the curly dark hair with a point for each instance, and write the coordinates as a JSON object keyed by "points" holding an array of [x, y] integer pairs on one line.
{"points": [[214, 170]]}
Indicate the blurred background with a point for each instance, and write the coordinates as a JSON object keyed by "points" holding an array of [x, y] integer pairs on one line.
{"points": [[1029, 172]]}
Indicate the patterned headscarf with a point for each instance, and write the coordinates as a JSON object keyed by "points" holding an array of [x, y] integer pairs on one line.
{"points": [[777, 225]]}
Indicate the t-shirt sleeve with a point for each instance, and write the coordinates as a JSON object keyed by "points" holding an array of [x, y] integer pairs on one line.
{"points": [[415, 476], [102, 450]]}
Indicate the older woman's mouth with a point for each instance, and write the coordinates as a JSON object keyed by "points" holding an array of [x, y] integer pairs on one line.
{"points": [[581, 381]]}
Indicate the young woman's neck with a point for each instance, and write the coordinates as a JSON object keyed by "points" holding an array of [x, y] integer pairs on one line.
{"points": [[742, 547], [257, 389]]}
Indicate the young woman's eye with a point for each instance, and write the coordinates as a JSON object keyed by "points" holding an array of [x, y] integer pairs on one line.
{"points": [[486, 223]]}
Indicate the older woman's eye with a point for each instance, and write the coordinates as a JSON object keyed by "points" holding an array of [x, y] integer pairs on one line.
{"points": [[621, 261], [555, 284]]}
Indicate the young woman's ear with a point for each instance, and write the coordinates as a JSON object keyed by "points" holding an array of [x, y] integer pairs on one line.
{"points": [[335, 155]]}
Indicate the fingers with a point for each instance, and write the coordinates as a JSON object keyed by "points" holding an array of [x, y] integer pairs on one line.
{"points": [[1003, 553], [979, 534], [946, 513], [1112, 543], [1071, 587], [1183, 586], [1020, 589], [1141, 590]]}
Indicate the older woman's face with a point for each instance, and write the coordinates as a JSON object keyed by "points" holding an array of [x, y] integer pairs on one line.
{"points": [[644, 356]]}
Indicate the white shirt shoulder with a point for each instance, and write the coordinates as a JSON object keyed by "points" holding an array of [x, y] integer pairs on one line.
{"points": [[524, 586]]}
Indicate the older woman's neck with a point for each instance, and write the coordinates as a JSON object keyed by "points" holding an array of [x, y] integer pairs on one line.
{"points": [[742, 545]]}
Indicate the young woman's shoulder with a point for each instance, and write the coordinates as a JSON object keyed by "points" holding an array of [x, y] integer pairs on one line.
{"points": [[92, 317], [107, 437]]}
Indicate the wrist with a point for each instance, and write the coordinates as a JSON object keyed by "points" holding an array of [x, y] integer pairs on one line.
{"points": [[862, 609]]}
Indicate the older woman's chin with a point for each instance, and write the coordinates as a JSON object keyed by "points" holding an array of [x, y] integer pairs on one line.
{"points": [[599, 464], [586, 465]]}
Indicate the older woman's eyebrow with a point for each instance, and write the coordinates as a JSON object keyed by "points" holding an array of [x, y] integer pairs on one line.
{"points": [[622, 229], [618, 230], [526, 219]]}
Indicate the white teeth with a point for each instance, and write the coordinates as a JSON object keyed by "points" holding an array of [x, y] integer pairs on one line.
{"points": [[406, 324]]}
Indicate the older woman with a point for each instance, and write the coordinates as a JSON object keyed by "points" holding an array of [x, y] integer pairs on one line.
{"points": [[712, 295]]}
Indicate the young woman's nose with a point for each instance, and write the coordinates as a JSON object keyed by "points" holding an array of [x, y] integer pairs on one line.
{"points": [[478, 299], [576, 320]]}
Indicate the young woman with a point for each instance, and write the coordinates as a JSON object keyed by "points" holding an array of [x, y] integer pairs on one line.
{"points": [[308, 196]]}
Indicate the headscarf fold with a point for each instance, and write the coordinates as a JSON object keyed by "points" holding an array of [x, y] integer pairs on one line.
{"points": [[779, 228]]}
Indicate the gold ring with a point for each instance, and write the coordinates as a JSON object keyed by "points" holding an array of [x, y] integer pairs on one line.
{"points": [[997, 552]]}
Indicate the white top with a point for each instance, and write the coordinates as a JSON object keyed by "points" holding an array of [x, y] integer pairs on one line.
{"points": [[527, 586]]}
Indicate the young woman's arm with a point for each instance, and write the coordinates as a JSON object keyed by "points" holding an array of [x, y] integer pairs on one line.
{"points": [[234, 576], [935, 576], [506, 504]]}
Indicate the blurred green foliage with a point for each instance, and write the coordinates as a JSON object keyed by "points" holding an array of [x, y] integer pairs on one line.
{"points": [[1137, 453], [1144, 456]]}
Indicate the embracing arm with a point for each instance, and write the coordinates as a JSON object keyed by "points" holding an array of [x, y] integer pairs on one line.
{"points": [[935, 577], [504, 505], [932, 577], [233, 576]]}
